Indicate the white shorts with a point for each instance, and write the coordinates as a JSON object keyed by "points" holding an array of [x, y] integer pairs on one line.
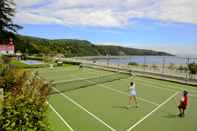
{"points": [[133, 93]]}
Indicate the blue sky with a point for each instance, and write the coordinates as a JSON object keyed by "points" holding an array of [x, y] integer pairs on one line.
{"points": [[168, 25]]}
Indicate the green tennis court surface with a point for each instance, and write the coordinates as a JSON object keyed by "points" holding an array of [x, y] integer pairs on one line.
{"points": [[102, 106]]}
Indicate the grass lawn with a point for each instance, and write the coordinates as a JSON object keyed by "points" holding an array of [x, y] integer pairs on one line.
{"points": [[18, 64]]}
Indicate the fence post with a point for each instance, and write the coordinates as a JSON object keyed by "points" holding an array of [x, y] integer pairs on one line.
{"points": [[163, 64], [144, 63], [107, 60], [187, 72]]}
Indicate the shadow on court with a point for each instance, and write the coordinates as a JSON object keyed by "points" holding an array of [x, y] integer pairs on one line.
{"points": [[171, 116], [124, 107]]}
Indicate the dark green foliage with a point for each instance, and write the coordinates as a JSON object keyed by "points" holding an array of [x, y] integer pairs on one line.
{"points": [[182, 68], [25, 101], [133, 63], [154, 66], [145, 65], [7, 80], [34, 58], [72, 63], [7, 12], [192, 68], [117, 51], [32, 45], [6, 59], [70, 48]]}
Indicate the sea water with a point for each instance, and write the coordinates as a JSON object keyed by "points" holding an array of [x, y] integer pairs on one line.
{"points": [[149, 60]]}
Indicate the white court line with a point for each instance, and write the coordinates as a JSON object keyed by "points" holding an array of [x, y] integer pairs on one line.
{"points": [[78, 105], [149, 114], [61, 118], [118, 91], [179, 88], [124, 93], [167, 89], [81, 107], [158, 87]]}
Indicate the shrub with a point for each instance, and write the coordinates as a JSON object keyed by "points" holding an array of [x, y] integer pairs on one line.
{"points": [[192, 68], [25, 101], [34, 58], [133, 63], [154, 66], [145, 65], [182, 68], [71, 62]]}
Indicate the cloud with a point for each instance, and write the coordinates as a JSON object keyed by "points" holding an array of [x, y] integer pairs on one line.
{"points": [[33, 18], [177, 49], [27, 3], [104, 13]]}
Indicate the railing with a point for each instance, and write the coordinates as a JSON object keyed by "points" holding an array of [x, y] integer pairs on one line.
{"points": [[164, 70]]}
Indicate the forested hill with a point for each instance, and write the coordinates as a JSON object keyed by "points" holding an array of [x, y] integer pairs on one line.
{"points": [[73, 47]]}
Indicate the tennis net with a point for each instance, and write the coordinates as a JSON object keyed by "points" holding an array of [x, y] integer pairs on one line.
{"points": [[65, 86]]}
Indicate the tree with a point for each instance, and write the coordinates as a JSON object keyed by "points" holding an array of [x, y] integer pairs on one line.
{"points": [[7, 12], [192, 69]]}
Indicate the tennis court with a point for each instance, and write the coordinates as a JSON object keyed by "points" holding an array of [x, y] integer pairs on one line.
{"points": [[101, 105]]}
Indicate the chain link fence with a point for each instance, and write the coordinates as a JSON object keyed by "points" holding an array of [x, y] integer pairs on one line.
{"points": [[168, 65]]}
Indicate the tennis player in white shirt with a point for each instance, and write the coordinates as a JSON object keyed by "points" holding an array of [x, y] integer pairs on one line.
{"points": [[132, 94]]}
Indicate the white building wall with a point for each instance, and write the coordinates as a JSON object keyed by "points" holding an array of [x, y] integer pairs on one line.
{"points": [[6, 52]]}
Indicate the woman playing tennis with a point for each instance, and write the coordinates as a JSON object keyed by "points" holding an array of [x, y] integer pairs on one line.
{"points": [[183, 104], [132, 94]]}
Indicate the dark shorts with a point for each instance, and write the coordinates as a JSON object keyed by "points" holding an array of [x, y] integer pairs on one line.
{"points": [[181, 106]]}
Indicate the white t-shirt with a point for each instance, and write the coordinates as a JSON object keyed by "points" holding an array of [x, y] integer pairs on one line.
{"points": [[133, 90]]}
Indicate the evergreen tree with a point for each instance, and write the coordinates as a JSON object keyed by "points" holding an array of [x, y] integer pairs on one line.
{"points": [[7, 12]]}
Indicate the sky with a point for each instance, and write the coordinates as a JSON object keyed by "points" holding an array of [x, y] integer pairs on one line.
{"points": [[162, 25]]}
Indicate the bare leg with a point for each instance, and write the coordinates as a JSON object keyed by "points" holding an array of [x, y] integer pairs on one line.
{"points": [[130, 99], [134, 97]]}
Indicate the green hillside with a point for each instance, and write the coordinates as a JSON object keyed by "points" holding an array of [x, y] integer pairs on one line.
{"points": [[73, 47]]}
